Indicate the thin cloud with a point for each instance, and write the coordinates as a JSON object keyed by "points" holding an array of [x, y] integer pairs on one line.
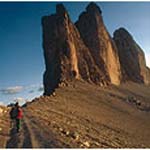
{"points": [[12, 90], [19, 99], [32, 86], [17, 89]]}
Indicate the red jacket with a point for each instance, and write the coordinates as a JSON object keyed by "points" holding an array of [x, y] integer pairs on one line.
{"points": [[20, 113]]}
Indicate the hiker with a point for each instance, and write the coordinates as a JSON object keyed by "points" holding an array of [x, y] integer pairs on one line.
{"points": [[19, 118], [13, 114], [16, 116]]}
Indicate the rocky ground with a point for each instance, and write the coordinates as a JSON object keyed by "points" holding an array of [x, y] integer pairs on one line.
{"points": [[82, 115], [4, 126]]}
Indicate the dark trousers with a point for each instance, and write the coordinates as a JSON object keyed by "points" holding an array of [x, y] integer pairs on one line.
{"points": [[18, 124]]}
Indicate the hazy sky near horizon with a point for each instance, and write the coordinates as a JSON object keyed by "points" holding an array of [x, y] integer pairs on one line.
{"points": [[21, 53]]}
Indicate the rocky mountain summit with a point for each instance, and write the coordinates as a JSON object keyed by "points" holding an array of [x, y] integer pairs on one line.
{"points": [[86, 51], [131, 57], [99, 42]]}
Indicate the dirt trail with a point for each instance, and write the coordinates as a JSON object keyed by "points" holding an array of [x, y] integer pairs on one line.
{"points": [[25, 139]]}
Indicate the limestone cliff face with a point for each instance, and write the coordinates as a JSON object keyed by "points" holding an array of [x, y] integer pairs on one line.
{"points": [[148, 76], [85, 51], [99, 42], [66, 56], [132, 58], [59, 49]]}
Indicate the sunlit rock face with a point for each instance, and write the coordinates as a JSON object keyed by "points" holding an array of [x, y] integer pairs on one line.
{"points": [[131, 57], [59, 49], [148, 76], [99, 42]]}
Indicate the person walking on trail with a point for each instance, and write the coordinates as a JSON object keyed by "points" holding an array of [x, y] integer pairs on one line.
{"points": [[16, 116], [13, 115], [19, 118]]}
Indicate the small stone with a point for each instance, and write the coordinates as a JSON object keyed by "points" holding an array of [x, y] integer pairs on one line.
{"points": [[0, 129], [138, 103], [81, 146], [101, 84], [74, 135], [97, 144], [61, 129], [87, 129], [54, 94], [87, 144], [68, 122], [65, 132]]}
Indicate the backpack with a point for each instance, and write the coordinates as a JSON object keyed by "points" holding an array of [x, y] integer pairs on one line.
{"points": [[20, 113], [13, 113]]}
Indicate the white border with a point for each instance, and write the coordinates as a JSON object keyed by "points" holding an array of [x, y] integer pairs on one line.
{"points": [[74, 0]]}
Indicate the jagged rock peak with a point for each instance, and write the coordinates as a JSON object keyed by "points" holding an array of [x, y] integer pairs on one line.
{"points": [[93, 7], [122, 29], [66, 56], [96, 37], [61, 10], [132, 58], [122, 32]]}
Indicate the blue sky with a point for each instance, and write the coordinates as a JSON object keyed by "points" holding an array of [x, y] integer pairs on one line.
{"points": [[21, 53]]}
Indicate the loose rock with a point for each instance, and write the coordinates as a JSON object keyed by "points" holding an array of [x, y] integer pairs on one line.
{"points": [[87, 144], [74, 135]]}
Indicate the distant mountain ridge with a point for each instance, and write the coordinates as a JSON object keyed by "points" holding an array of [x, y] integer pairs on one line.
{"points": [[86, 51]]}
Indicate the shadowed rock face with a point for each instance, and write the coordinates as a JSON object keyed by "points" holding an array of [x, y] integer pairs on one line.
{"points": [[132, 58], [66, 56], [99, 42]]}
